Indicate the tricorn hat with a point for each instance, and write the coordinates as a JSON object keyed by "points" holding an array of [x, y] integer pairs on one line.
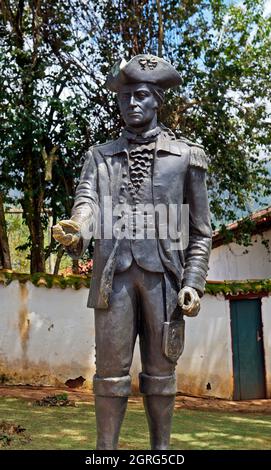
{"points": [[145, 68]]}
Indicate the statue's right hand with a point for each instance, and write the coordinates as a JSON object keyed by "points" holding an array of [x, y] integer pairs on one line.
{"points": [[66, 232]]}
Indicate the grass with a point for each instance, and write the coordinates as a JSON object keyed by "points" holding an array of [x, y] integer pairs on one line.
{"points": [[74, 428]]}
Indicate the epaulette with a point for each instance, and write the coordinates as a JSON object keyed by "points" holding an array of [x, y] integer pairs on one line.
{"points": [[197, 154], [189, 142], [198, 157]]}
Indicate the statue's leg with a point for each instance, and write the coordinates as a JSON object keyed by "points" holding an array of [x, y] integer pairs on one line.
{"points": [[157, 380], [159, 411], [115, 332], [110, 412]]}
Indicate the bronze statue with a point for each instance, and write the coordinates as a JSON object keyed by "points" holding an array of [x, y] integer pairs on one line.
{"points": [[141, 285]]}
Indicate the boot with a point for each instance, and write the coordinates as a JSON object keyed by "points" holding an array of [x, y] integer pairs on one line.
{"points": [[110, 412], [159, 411]]}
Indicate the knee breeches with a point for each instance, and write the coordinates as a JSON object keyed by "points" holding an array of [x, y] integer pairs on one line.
{"points": [[137, 307]]}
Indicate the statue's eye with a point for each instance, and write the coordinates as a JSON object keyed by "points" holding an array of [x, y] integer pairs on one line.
{"points": [[142, 95]]}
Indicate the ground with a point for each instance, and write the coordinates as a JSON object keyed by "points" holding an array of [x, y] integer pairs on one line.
{"points": [[207, 424], [182, 402]]}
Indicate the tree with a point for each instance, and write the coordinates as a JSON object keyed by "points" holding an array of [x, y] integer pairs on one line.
{"points": [[55, 56], [222, 51], [40, 125]]}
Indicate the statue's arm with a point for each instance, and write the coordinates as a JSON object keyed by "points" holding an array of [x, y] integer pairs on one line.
{"points": [[200, 232], [76, 233]]}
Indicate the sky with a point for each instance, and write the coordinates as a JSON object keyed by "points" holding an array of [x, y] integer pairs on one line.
{"points": [[267, 7]]}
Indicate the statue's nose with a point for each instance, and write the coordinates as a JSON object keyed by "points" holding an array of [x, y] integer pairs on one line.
{"points": [[132, 101]]}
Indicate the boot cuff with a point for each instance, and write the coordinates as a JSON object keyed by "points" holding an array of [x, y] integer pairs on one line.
{"points": [[112, 386], [151, 385]]}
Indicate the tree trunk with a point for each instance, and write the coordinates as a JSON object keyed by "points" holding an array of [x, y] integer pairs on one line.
{"points": [[37, 258], [32, 206], [59, 255], [5, 260], [75, 266], [33, 202], [160, 29], [32, 162]]}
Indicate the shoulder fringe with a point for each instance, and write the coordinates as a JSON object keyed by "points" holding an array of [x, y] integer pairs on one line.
{"points": [[198, 158], [190, 142]]}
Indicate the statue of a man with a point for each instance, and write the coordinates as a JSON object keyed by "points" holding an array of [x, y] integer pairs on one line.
{"points": [[141, 285]]}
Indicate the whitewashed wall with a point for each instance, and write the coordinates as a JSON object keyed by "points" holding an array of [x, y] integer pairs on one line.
{"points": [[47, 337], [236, 262], [205, 368]]}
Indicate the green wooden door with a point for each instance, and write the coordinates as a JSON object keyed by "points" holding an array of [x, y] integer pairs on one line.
{"points": [[248, 354]]}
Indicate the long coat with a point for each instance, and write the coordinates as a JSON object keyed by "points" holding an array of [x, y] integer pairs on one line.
{"points": [[179, 177]]}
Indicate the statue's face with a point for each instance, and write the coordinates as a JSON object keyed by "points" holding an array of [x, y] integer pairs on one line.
{"points": [[138, 105]]}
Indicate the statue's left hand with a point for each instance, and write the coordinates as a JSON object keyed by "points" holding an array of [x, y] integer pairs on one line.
{"points": [[188, 299]]}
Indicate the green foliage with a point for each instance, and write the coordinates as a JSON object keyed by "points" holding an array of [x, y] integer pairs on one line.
{"points": [[18, 235], [61, 399], [78, 281], [42, 127], [12, 433], [53, 104], [46, 280], [222, 51], [239, 287]]}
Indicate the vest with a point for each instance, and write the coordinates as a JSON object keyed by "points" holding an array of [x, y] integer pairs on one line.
{"points": [[144, 251]]}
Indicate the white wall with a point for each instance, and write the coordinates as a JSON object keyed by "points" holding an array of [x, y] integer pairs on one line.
{"points": [[236, 262], [205, 368], [47, 337]]}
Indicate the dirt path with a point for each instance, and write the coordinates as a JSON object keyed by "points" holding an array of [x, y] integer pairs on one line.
{"points": [[217, 404], [185, 402], [30, 392]]}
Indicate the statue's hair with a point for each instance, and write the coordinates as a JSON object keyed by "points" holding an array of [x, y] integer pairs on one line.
{"points": [[158, 92]]}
